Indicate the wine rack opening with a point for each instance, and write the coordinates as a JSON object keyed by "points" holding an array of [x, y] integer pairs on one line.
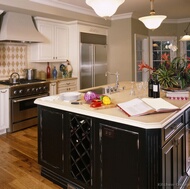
{"points": [[80, 148]]}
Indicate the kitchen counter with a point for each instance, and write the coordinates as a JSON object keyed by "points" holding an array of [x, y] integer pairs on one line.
{"points": [[4, 87], [104, 148], [60, 79], [114, 113]]}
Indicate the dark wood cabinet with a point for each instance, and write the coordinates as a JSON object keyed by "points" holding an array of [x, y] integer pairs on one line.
{"points": [[82, 152], [119, 154], [51, 140], [173, 157]]}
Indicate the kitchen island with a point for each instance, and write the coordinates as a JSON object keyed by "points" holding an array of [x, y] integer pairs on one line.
{"points": [[80, 147]]}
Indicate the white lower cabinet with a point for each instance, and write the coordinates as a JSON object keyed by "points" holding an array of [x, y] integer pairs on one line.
{"points": [[4, 110], [61, 86], [67, 85], [53, 88]]}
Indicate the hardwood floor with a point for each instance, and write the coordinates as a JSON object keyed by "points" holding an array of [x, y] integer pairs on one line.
{"points": [[18, 162]]}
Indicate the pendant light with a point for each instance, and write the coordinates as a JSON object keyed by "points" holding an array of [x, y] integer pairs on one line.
{"points": [[153, 21], [105, 8], [186, 37]]}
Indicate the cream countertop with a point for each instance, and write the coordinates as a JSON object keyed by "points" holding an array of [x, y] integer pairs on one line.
{"points": [[60, 79], [4, 86], [114, 113]]}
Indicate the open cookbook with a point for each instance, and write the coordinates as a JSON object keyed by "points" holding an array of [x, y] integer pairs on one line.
{"points": [[144, 106]]}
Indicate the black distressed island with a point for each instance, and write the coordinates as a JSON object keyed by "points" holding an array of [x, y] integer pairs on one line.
{"points": [[84, 148]]}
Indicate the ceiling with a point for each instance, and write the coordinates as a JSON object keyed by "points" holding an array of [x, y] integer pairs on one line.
{"points": [[174, 9]]}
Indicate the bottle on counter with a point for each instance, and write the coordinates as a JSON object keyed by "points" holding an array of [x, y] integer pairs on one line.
{"points": [[54, 73], [48, 70], [156, 88], [150, 86]]}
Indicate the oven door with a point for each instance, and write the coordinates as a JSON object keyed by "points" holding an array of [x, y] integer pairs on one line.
{"points": [[24, 108]]}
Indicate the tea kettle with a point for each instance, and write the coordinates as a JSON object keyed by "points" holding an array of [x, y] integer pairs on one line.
{"points": [[14, 78]]}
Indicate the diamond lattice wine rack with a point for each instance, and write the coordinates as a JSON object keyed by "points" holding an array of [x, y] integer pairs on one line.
{"points": [[80, 139]]}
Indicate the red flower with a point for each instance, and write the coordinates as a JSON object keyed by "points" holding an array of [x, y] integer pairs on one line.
{"points": [[165, 57], [188, 67], [144, 65]]}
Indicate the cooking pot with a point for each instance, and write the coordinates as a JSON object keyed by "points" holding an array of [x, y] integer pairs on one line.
{"points": [[30, 74]]}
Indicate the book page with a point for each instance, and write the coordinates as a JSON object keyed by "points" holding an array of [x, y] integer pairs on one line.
{"points": [[159, 104], [135, 107]]}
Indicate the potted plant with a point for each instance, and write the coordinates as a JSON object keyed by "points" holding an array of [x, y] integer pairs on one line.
{"points": [[171, 74]]}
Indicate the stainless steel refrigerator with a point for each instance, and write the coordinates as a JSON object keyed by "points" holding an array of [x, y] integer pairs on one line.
{"points": [[93, 65]]}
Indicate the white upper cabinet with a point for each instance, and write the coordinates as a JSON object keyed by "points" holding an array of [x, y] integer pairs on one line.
{"points": [[56, 47]]}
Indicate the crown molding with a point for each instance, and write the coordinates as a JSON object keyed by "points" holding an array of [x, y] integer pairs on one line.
{"points": [[73, 8], [66, 6], [122, 16]]}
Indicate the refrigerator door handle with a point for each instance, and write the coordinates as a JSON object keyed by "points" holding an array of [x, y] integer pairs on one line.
{"points": [[93, 64]]}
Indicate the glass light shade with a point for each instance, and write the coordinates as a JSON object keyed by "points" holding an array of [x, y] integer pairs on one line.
{"points": [[153, 21], [185, 38], [105, 8]]}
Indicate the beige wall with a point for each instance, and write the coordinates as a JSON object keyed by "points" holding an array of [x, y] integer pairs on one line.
{"points": [[121, 43], [120, 52]]}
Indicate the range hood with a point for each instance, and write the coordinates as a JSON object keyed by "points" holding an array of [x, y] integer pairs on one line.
{"points": [[17, 27]]}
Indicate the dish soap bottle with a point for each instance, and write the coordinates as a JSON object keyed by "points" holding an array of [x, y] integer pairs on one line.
{"points": [[54, 73], [48, 71]]}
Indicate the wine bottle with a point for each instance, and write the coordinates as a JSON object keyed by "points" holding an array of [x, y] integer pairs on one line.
{"points": [[156, 89], [150, 87], [48, 70]]}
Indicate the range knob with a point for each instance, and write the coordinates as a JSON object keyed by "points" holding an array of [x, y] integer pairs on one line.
{"points": [[28, 91], [37, 89], [45, 88], [40, 89], [21, 91], [33, 90], [15, 92]]}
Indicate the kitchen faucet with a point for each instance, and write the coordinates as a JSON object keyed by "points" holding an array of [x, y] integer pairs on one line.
{"points": [[115, 89]]}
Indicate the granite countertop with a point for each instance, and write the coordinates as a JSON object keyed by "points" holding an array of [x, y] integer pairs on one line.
{"points": [[114, 113]]}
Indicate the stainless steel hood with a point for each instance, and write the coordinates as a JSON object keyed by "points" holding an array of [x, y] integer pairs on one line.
{"points": [[17, 27]]}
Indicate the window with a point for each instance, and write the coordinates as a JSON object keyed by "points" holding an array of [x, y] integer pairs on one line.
{"points": [[185, 49], [159, 46]]}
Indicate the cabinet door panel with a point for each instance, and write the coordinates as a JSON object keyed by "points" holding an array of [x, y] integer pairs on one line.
{"points": [[168, 164], [118, 156], [46, 49], [51, 139], [174, 161], [4, 109], [61, 42]]}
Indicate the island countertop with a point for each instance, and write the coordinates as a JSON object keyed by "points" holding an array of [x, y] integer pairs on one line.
{"points": [[114, 114]]}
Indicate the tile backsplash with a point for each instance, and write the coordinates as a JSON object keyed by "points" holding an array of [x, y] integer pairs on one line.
{"points": [[13, 58]]}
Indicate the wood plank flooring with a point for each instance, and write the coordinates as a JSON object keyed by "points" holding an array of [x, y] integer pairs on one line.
{"points": [[18, 162]]}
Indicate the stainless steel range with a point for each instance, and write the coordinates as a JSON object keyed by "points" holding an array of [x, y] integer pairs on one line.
{"points": [[23, 111]]}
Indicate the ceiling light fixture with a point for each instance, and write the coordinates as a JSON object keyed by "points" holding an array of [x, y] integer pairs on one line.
{"points": [[186, 37], [105, 8], [153, 21]]}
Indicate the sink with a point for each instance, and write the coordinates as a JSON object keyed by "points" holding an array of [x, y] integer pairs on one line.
{"points": [[100, 90]]}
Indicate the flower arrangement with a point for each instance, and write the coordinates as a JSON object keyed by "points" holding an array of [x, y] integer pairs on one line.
{"points": [[171, 74]]}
